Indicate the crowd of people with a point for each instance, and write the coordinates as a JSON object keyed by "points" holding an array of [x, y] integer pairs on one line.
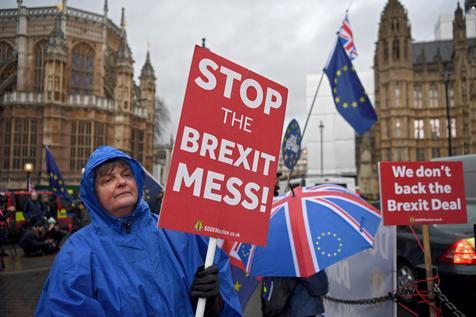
{"points": [[40, 234]]}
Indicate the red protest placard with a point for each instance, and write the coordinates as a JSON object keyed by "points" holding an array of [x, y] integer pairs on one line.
{"points": [[224, 162], [422, 192]]}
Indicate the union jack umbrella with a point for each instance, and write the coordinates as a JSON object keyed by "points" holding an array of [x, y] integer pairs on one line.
{"points": [[311, 230]]}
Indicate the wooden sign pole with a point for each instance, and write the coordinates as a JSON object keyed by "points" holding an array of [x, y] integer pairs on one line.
{"points": [[428, 268]]}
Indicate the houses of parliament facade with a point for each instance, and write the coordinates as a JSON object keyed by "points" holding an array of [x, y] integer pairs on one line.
{"points": [[420, 87], [66, 81]]}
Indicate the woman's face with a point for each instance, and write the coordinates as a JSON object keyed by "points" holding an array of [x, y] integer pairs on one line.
{"points": [[116, 190]]}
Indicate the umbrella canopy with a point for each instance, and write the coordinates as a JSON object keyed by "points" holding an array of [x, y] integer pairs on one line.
{"points": [[311, 230]]}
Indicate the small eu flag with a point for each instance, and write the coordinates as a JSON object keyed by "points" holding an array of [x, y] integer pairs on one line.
{"points": [[153, 192], [243, 284], [55, 178], [349, 95]]}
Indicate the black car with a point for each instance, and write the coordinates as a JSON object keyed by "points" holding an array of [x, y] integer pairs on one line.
{"points": [[452, 253]]}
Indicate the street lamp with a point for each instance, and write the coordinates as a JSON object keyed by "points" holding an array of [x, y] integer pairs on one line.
{"points": [[28, 168], [446, 78], [321, 127]]}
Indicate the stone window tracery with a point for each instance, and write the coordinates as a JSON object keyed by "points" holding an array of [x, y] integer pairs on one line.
{"points": [[82, 69]]}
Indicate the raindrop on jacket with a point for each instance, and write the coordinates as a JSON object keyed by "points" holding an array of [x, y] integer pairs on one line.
{"points": [[105, 269]]}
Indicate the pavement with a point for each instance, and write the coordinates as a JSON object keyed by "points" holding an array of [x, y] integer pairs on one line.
{"points": [[23, 277], [21, 282]]}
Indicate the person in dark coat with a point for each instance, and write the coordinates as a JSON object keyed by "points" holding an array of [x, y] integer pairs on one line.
{"points": [[33, 241], [55, 233], [293, 296], [52, 207], [33, 208]]}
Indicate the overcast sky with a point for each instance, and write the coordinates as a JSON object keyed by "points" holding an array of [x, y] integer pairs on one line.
{"points": [[283, 40]]}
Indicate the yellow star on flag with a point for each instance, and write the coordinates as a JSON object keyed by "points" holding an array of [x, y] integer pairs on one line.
{"points": [[338, 72], [345, 105], [354, 104], [237, 286]]}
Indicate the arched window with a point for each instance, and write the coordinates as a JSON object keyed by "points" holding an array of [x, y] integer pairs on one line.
{"points": [[385, 51], [417, 96], [39, 73], [8, 68], [433, 96], [397, 95], [396, 49], [82, 68], [398, 128], [5, 51]]}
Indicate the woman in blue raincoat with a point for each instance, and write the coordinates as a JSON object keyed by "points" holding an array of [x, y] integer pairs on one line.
{"points": [[122, 264]]}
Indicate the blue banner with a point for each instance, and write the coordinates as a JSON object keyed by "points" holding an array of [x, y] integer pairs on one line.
{"points": [[291, 147]]}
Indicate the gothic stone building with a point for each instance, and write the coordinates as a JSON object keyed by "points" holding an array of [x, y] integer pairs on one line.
{"points": [[411, 96], [66, 81]]}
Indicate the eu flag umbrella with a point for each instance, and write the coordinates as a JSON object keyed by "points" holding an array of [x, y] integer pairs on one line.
{"points": [[311, 229]]}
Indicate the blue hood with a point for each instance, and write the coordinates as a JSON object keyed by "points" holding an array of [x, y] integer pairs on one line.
{"points": [[98, 215]]}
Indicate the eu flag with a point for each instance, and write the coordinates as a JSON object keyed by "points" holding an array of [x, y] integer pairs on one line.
{"points": [[153, 192], [55, 178], [349, 95], [244, 285]]}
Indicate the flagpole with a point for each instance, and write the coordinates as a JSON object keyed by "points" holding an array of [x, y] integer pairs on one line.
{"points": [[41, 163], [312, 104], [307, 121]]}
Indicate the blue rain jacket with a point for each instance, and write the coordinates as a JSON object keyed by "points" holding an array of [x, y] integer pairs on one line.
{"points": [[104, 270]]}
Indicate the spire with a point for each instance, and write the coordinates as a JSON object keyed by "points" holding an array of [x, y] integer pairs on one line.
{"points": [[123, 20], [459, 19], [105, 8], [459, 30], [147, 70], [124, 53]]}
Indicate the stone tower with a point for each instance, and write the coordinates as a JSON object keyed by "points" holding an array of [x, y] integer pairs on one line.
{"points": [[147, 87], [425, 97]]}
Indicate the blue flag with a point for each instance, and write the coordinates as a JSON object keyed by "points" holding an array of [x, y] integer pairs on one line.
{"points": [[55, 178], [153, 192], [349, 95], [243, 284]]}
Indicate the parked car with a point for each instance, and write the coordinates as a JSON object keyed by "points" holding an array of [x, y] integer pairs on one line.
{"points": [[452, 249], [452, 253]]}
